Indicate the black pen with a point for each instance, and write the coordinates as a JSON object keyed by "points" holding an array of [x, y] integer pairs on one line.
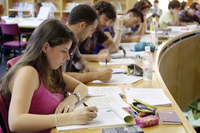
{"points": [[106, 62]]}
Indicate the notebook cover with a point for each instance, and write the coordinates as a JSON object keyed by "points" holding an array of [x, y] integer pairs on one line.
{"points": [[168, 117]]}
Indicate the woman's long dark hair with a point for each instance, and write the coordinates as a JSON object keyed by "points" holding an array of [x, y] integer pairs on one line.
{"points": [[55, 33]]}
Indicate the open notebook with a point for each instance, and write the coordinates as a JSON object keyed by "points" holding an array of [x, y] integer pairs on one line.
{"points": [[112, 115]]}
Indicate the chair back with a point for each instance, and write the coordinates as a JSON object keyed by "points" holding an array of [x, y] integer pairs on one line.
{"points": [[10, 29], [4, 116], [12, 61]]}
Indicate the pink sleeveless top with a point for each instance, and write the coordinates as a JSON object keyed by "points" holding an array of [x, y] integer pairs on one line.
{"points": [[44, 101]]}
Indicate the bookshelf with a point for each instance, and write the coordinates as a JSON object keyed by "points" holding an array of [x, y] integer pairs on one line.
{"points": [[61, 5]]}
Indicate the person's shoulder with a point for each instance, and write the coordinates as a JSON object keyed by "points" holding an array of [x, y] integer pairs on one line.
{"points": [[28, 70]]}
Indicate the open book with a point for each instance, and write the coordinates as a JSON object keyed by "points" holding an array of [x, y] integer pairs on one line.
{"points": [[113, 115]]}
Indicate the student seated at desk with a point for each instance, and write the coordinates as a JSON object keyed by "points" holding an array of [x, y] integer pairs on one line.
{"points": [[107, 15], [83, 24], [38, 89], [189, 16], [34, 12], [144, 8], [170, 17], [120, 31]]}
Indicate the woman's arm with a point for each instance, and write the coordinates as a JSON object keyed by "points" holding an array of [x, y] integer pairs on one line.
{"points": [[24, 84]]}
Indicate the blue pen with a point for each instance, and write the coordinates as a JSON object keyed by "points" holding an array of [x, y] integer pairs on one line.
{"points": [[106, 49], [133, 33], [134, 111], [134, 115]]}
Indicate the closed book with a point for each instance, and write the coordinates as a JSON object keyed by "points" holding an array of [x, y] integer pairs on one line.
{"points": [[168, 117]]}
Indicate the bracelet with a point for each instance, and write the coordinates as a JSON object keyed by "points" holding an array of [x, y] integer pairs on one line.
{"points": [[118, 30], [56, 120]]}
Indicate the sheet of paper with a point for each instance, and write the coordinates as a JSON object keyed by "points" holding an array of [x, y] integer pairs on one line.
{"points": [[118, 71], [124, 61], [128, 46], [103, 101], [129, 54], [151, 96], [43, 13], [104, 91], [119, 79]]}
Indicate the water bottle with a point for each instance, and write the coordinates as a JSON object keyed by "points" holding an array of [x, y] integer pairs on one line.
{"points": [[147, 64], [20, 12], [154, 31], [51, 12]]}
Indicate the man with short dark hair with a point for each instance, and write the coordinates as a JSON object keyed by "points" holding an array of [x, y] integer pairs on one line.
{"points": [[83, 21], [189, 16], [170, 18], [107, 15]]}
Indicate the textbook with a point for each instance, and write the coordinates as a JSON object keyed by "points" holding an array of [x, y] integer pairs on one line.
{"points": [[104, 91], [113, 115], [168, 117]]}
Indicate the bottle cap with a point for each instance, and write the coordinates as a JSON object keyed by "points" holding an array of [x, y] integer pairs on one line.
{"points": [[147, 48]]}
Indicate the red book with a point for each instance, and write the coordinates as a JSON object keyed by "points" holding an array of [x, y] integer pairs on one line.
{"points": [[168, 117]]}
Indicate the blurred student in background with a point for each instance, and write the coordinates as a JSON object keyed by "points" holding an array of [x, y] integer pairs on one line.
{"points": [[35, 11], [156, 10], [144, 8], [170, 17], [183, 6], [189, 16]]}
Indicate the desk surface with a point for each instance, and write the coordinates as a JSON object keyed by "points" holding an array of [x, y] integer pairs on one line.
{"points": [[157, 82], [23, 22]]}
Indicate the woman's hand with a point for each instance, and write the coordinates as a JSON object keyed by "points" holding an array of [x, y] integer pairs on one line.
{"points": [[67, 105], [82, 116]]}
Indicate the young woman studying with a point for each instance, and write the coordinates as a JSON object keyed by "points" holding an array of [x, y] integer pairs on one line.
{"points": [[36, 88]]}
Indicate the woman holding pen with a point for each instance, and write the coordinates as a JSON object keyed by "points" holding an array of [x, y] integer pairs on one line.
{"points": [[36, 89]]}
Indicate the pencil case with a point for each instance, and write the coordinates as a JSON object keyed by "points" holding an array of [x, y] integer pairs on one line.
{"points": [[148, 110], [134, 69], [147, 121]]}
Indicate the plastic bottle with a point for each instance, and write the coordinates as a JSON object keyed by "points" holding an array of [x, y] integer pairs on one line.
{"points": [[147, 64], [154, 31], [51, 12], [20, 12]]}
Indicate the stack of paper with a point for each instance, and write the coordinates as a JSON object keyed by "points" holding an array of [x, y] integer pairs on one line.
{"points": [[126, 61], [120, 79], [151, 96]]}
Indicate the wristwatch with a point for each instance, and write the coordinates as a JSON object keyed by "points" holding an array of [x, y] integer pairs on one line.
{"points": [[78, 96]]}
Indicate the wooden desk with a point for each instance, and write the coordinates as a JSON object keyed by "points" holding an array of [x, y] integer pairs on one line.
{"points": [[161, 64]]}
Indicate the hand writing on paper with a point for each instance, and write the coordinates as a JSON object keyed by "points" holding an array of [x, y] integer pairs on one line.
{"points": [[104, 74], [82, 116]]}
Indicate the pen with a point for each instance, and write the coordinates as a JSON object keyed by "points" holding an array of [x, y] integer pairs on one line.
{"points": [[134, 115], [133, 33], [134, 111], [141, 106], [106, 49], [106, 62]]}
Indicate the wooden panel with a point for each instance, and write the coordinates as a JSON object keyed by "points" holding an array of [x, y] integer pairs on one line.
{"points": [[179, 68]]}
